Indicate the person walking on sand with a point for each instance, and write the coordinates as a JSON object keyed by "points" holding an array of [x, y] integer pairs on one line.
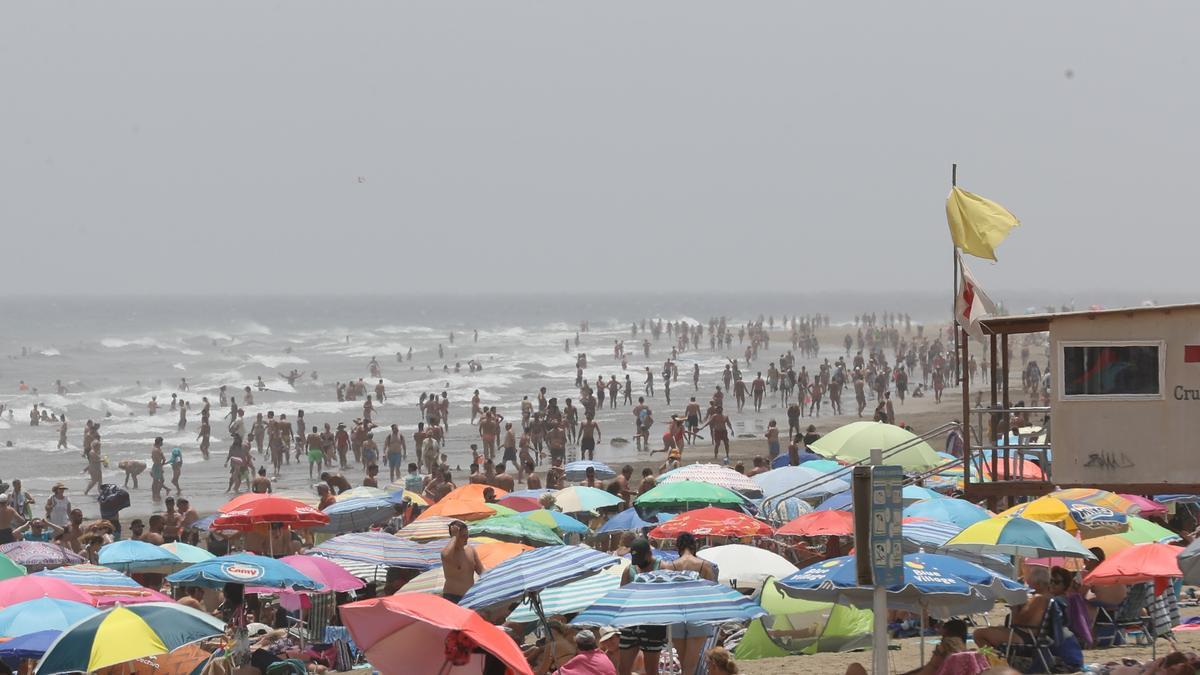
{"points": [[721, 428]]}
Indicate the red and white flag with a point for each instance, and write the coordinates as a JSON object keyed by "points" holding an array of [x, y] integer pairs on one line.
{"points": [[972, 304]]}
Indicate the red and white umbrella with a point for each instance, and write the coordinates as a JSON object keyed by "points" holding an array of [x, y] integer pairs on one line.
{"points": [[250, 510]]}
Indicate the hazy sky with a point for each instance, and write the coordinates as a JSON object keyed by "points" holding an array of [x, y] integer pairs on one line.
{"points": [[397, 146]]}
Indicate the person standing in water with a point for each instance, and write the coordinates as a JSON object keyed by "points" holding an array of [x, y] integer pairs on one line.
{"points": [[62, 433], [94, 467], [157, 460], [176, 463]]}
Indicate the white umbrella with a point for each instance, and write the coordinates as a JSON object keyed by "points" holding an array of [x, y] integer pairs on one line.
{"points": [[747, 567]]}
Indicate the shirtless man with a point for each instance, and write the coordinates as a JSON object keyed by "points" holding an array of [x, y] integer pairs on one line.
{"points": [[758, 388], [502, 479], [395, 452], [62, 433], [739, 393], [589, 433], [571, 418], [476, 411], [460, 563], [556, 438], [721, 428], [204, 437], [489, 429], [9, 520]]}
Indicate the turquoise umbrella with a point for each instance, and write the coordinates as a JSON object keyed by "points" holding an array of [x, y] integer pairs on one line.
{"points": [[131, 555], [41, 614], [958, 511], [557, 520]]}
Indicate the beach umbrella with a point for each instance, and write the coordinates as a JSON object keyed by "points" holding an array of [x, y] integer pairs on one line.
{"points": [[131, 555], [713, 474], [535, 571], [928, 533], [36, 555], [103, 585], [42, 614], [790, 479], [502, 510], [521, 504], [1018, 536], [405, 493], [583, 499], [688, 495], [820, 524], [424, 530], [187, 659], [381, 549], [493, 553], [421, 633], [1138, 563], [917, 493], [1141, 531], [570, 598], [667, 599], [532, 494], [1145, 507], [779, 511], [1188, 559], [473, 492], [186, 552], [577, 471], [662, 554], [243, 568], [1072, 515], [853, 443], [32, 587], [368, 492], [27, 646], [357, 514], [1177, 499], [746, 567], [9, 568], [556, 520], [802, 457], [958, 511], [123, 633], [516, 529], [714, 522], [828, 466], [843, 501], [458, 509], [625, 521], [204, 524], [247, 511], [324, 572], [1099, 497]]}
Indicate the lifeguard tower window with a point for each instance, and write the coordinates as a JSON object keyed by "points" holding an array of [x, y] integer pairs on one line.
{"points": [[1112, 370]]}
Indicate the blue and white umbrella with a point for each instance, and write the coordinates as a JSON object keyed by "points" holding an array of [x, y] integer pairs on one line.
{"points": [[571, 598], [381, 549], [667, 602], [357, 514], [577, 471], [534, 571], [798, 481], [940, 584], [244, 568]]}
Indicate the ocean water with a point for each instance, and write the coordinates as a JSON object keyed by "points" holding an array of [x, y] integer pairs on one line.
{"points": [[113, 354]]}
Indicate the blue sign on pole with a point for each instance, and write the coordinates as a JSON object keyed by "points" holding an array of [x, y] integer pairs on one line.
{"points": [[887, 507]]}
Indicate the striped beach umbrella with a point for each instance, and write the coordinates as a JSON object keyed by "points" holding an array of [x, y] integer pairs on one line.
{"points": [[427, 528], [515, 529], [713, 474], [779, 511], [123, 634], [36, 555], [357, 514], [928, 533], [666, 602], [535, 571], [381, 549], [1018, 536], [103, 585], [573, 597], [577, 471]]}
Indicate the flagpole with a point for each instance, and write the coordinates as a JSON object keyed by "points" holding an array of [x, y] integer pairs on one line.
{"points": [[954, 299]]}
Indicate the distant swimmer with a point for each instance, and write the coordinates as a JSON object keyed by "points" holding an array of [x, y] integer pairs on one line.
{"points": [[152, 406], [62, 433]]}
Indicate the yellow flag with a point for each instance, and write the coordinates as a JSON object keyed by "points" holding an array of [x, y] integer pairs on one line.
{"points": [[977, 225]]}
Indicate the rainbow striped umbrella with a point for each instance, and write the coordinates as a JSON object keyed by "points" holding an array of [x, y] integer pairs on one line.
{"points": [[663, 601], [105, 586], [1018, 536], [123, 634], [714, 474], [573, 597], [433, 527]]}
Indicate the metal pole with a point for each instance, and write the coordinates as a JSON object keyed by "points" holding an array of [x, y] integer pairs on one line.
{"points": [[954, 300], [879, 639]]}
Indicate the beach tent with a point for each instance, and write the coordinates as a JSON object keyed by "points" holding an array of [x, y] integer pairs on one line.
{"points": [[795, 626]]}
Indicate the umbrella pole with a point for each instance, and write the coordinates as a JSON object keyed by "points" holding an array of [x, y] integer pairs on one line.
{"points": [[924, 620]]}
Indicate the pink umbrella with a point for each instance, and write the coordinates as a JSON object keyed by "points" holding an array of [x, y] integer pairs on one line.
{"points": [[1146, 507], [20, 589], [329, 574]]}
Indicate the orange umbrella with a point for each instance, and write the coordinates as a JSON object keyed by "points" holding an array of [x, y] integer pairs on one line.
{"points": [[712, 521], [494, 553], [458, 508], [1143, 562], [473, 492], [182, 660], [820, 524]]}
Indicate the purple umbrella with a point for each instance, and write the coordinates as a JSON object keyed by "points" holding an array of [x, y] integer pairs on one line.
{"points": [[36, 555]]}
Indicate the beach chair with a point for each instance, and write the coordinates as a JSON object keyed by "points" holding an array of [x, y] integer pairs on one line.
{"points": [[1052, 641], [1112, 626]]}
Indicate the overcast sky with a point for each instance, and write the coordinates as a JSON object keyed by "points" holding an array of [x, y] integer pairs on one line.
{"points": [[394, 146]]}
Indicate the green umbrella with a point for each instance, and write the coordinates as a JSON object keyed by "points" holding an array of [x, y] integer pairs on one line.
{"points": [[689, 494], [515, 529], [10, 569], [501, 510], [1142, 531], [854, 442]]}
